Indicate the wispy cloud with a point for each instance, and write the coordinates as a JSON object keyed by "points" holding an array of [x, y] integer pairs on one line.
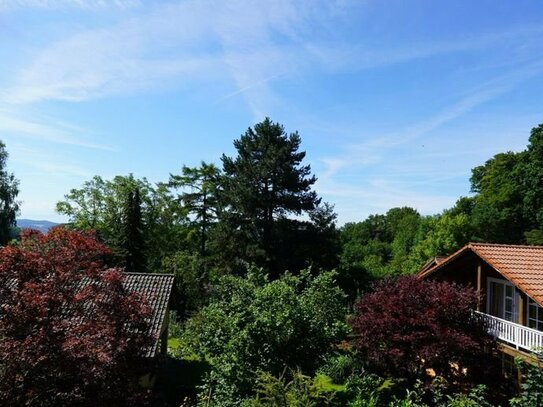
{"points": [[371, 151], [202, 40], [249, 87], [362, 55], [13, 5], [13, 125], [397, 183], [182, 44]]}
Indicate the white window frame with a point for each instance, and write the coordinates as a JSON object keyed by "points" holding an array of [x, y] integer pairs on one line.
{"points": [[538, 314], [515, 297]]}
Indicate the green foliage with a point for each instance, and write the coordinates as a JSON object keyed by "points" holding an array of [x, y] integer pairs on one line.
{"points": [[192, 283], [498, 212], [298, 390], [101, 205], [399, 242], [199, 189], [508, 204], [255, 325], [377, 247], [262, 188], [9, 189], [341, 366], [532, 386], [132, 240], [366, 390], [475, 398], [438, 235]]}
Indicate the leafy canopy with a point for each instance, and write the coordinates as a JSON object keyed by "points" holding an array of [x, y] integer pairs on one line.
{"points": [[101, 205], [407, 325], [54, 350], [254, 325]]}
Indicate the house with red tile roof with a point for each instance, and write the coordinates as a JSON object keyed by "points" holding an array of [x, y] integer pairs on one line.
{"points": [[509, 281]]}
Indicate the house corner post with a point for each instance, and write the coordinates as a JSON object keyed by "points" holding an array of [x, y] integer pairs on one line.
{"points": [[479, 286]]}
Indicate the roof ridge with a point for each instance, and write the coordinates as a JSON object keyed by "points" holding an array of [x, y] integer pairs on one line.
{"points": [[526, 246], [131, 273]]}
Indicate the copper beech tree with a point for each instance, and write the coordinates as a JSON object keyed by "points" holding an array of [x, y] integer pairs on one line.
{"points": [[408, 325], [70, 334]]}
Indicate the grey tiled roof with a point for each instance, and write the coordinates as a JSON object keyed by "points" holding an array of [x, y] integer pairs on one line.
{"points": [[157, 290]]}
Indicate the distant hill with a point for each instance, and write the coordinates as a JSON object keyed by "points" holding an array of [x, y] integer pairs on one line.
{"points": [[41, 225]]}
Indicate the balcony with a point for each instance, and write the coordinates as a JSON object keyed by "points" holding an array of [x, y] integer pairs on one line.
{"points": [[518, 336]]}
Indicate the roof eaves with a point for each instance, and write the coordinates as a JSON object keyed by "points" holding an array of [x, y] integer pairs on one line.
{"points": [[504, 272], [473, 247], [425, 273]]}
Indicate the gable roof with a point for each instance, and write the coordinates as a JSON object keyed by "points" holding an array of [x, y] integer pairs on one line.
{"points": [[522, 265], [432, 262], [157, 289]]}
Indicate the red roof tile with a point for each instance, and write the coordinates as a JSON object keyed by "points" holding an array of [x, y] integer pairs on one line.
{"points": [[522, 265]]}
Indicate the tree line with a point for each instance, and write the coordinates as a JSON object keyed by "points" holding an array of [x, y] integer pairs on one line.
{"points": [[252, 246], [258, 209]]}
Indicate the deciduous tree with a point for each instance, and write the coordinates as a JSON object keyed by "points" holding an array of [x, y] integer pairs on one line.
{"points": [[407, 325], [255, 325], [101, 205], [71, 334]]}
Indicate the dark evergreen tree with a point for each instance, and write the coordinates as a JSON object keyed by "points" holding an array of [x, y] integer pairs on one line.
{"points": [[133, 239], [9, 207], [262, 188]]}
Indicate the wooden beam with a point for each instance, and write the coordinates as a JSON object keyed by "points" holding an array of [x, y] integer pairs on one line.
{"points": [[522, 305], [479, 288]]}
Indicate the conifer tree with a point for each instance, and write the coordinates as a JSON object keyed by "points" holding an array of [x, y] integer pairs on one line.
{"points": [[133, 239], [263, 187], [199, 187], [9, 189]]}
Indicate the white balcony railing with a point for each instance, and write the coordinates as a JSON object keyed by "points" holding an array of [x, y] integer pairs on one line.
{"points": [[514, 334]]}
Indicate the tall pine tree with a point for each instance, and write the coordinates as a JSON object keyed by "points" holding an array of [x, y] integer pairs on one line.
{"points": [[265, 187]]}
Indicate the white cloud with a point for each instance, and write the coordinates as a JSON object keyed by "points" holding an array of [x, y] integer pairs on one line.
{"points": [[398, 181], [12, 125], [373, 150], [130, 56], [90, 5], [173, 45]]}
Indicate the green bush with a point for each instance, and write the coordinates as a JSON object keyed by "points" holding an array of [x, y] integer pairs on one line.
{"points": [[252, 325], [299, 391], [532, 386]]}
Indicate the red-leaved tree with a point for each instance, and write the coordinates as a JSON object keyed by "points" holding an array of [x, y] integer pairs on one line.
{"points": [[70, 335], [408, 325]]}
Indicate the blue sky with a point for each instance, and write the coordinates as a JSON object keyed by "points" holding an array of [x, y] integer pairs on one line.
{"points": [[395, 101]]}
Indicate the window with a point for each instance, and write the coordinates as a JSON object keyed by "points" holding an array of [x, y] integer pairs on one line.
{"points": [[535, 315], [509, 367], [503, 300]]}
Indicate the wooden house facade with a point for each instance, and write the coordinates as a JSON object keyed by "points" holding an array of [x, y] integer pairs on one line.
{"points": [[509, 282]]}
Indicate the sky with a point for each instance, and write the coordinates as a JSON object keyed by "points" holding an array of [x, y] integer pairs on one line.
{"points": [[395, 101]]}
